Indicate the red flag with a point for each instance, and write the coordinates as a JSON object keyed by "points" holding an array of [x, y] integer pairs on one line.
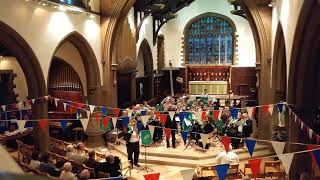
{"points": [[226, 142], [168, 132], [216, 114], [43, 124], [157, 114], [163, 119], [154, 176], [203, 115], [105, 122], [116, 112], [311, 147], [265, 109], [80, 105], [98, 117], [255, 167]]}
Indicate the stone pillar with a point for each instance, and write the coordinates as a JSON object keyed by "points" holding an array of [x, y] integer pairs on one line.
{"points": [[41, 137], [133, 85]]}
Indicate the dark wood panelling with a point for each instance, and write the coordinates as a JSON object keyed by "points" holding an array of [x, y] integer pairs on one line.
{"points": [[242, 79]]}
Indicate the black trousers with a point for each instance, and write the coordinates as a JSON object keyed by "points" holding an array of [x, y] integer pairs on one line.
{"points": [[133, 149]]}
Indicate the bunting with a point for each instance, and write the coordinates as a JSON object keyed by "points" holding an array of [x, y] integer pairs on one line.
{"points": [[143, 113], [163, 119], [234, 113], [278, 147], [154, 176], [125, 121], [3, 108], [139, 126], [251, 111], [270, 109], [187, 174], [310, 132], [316, 155], [21, 124], [116, 112], [222, 170], [250, 143], [84, 122], [88, 114], [63, 123], [280, 107], [184, 135], [265, 109], [129, 112], [33, 100], [171, 114], [20, 105], [217, 114], [91, 108], [255, 167], [151, 128], [204, 139], [226, 142], [286, 160], [105, 122], [114, 121], [168, 132], [65, 106], [145, 120], [198, 114]]}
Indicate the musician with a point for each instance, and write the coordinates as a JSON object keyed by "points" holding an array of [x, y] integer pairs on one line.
{"points": [[173, 125], [157, 135], [132, 141], [208, 128]]}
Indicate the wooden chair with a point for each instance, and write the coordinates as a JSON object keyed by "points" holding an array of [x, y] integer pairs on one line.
{"points": [[102, 175], [234, 172], [271, 167], [247, 171], [207, 171]]}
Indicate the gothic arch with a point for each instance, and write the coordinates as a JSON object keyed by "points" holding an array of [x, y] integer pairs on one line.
{"points": [[89, 61], [279, 67]]}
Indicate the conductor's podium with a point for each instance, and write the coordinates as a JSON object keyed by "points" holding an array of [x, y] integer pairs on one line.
{"points": [[213, 87]]}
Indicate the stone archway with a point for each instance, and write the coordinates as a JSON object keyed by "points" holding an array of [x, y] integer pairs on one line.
{"points": [[29, 63], [147, 77], [90, 63], [279, 67]]}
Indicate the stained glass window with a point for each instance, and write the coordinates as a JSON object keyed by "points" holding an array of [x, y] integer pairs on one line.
{"points": [[210, 41]]}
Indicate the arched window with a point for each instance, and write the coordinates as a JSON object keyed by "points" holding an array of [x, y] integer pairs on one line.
{"points": [[209, 40]]}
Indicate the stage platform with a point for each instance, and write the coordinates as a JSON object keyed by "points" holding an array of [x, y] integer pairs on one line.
{"points": [[190, 157]]}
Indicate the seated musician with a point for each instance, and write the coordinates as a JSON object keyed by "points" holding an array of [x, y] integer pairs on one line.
{"points": [[157, 135], [240, 128], [208, 128]]}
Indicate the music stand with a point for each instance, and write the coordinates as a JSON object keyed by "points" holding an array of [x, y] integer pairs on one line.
{"points": [[145, 144]]}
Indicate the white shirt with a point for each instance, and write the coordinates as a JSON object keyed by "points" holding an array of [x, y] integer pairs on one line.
{"points": [[70, 155], [227, 158], [134, 136], [67, 176]]}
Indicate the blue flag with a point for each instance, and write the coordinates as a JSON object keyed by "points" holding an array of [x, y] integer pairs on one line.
{"points": [[63, 123], [67, 104], [184, 135], [115, 178], [78, 112], [316, 154], [222, 170], [139, 125], [143, 113], [234, 113], [104, 111], [125, 121], [280, 107], [250, 143]]}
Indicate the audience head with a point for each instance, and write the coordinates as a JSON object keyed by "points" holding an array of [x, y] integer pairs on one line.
{"points": [[91, 154], [67, 167], [84, 174], [60, 163], [244, 115], [70, 148], [35, 155], [80, 146], [110, 159], [44, 158]]}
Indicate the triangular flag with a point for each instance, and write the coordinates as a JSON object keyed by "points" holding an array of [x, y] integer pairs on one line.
{"points": [[255, 167], [91, 107], [157, 114], [265, 109], [125, 121], [187, 174], [143, 113], [129, 112], [115, 178], [105, 122], [316, 154], [278, 147], [145, 119], [63, 123], [310, 133], [280, 107], [184, 135], [104, 111], [251, 111], [168, 132], [226, 142], [250, 143], [3, 108], [216, 114], [33, 100], [88, 114], [203, 115], [204, 139], [84, 122], [286, 160], [311, 147], [270, 109], [163, 119], [198, 114], [43, 124], [114, 121], [234, 113], [151, 128], [171, 114], [56, 101], [20, 105], [222, 170], [139, 126], [154, 176], [98, 116], [116, 112], [21, 124], [65, 106]]}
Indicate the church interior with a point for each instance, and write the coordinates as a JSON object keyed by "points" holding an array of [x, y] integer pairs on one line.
{"points": [[160, 89]]}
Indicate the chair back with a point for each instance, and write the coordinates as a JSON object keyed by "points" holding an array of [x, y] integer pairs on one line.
{"points": [[272, 164], [103, 175], [233, 169]]}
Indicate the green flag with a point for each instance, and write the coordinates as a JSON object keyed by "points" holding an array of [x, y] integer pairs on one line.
{"points": [[108, 127], [146, 137]]}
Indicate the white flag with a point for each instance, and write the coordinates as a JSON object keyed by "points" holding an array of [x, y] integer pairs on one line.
{"points": [[32, 100], [171, 114], [198, 114], [145, 119], [151, 128], [56, 101], [310, 133], [114, 121], [129, 112], [91, 107], [278, 147], [84, 123], [20, 105], [88, 114], [3, 108], [21, 124], [250, 110], [187, 174], [65, 106], [270, 109], [286, 160], [204, 139]]}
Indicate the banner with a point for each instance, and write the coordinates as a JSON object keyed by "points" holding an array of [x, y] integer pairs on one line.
{"points": [[286, 160], [222, 170], [146, 138], [255, 167], [226, 142], [250, 143], [278, 147]]}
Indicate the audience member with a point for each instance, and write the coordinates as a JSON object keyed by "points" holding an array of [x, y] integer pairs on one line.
{"points": [[34, 163], [44, 165], [66, 173], [110, 167], [84, 174], [80, 155], [227, 158], [70, 152]]}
